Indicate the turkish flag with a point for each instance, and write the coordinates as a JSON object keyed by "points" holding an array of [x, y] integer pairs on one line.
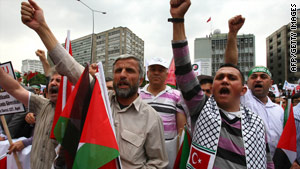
{"points": [[209, 19], [199, 159]]}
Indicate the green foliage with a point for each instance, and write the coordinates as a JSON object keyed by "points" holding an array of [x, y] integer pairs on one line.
{"points": [[36, 80]]}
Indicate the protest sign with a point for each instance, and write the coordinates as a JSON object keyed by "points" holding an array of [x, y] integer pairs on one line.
{"points": [[197, 68], [8, 104]]}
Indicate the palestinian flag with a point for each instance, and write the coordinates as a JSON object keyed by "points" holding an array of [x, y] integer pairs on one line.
{"points": [[64, 92], [70, 123], [286, 151], [183, 153], [98, 146], [286, 111], [171, 79]]}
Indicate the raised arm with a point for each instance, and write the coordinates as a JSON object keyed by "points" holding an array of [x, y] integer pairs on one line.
{"points": [[41, 54], [178, 10], [13, 87], [231, 52], [33, 17], [185, 77]]}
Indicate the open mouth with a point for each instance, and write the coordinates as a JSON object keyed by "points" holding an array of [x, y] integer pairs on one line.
{"points": [[123, 84], [53, 90], [224, 91], [258, 86]]}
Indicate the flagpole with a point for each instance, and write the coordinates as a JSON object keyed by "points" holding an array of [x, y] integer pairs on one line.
{"points": [[92, 36], [5, 127], [211, 28], [100, 76]]}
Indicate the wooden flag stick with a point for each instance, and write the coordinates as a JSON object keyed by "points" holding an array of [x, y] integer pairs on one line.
{"points": [[10, 140]]}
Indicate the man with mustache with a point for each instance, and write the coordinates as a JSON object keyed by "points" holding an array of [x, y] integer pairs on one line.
{"points": [[167, 102], [139, 129], [259, 82], [43, 148], [163, 98], [227, 134]]}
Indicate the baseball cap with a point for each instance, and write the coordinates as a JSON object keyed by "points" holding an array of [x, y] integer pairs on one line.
{"points": [[158, 61]]}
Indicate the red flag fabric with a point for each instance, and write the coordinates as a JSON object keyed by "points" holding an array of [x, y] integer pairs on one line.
{"points": [[183, 153], [69, 125], [98, 145], [171, 79], [30, 75], [198, 159], [294, 91], [286, 151], [3, 163], [209, 19], [64, 92]]}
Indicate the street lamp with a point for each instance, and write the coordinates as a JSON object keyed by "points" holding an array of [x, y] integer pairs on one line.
{"points": [[93, 11]]}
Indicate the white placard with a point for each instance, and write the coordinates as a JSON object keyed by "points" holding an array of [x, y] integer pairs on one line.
{"points": [[9, 104]]}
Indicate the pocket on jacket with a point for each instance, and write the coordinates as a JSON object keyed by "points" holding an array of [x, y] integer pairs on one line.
{"points": [[131, 145]]}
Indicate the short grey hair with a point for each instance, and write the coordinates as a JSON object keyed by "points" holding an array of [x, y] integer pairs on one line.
{"points": [[129, 56], [53, 71]]}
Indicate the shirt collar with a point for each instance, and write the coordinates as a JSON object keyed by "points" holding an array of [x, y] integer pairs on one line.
{"points": [[136, 103], [167, 89], [269, 103]]}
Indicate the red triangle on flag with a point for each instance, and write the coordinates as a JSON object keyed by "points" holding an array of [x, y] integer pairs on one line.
{"points": [[288, 137], [171, 79]]}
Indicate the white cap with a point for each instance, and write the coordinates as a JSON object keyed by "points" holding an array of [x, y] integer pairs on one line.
{"points": [[158, 61]]}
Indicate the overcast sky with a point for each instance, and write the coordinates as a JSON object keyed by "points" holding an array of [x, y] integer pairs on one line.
{"points": [[146, 18]]}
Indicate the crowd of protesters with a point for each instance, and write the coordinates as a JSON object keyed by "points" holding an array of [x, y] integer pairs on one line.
{"points": [[233, 122]]}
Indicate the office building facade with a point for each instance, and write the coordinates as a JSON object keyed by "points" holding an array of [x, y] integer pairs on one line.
{"points": [[279, 53], [107, 46], [211, 49], [32, 65]]}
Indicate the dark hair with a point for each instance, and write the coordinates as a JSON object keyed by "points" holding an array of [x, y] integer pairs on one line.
{"points": [[108, 79], [234, 66], [129, 56], [203, 79], [271, 94], [297, 95]]}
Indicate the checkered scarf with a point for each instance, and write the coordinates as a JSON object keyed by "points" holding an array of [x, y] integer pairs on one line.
{"points": [[208, 127]]}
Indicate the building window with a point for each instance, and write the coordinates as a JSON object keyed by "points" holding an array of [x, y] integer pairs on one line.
{"points": [[278, 43], [278, 35], [279, 57], [271, 47], [271, 40], [279, 50]]}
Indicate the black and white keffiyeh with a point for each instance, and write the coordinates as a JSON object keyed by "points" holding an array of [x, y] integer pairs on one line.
{"points": [[208, 127]]}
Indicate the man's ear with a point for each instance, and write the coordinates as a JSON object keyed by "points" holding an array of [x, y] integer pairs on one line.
{"points": [[244, 90]]}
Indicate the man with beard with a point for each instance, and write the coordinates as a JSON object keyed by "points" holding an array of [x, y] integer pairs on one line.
{"points": [[259, 82], [139, 129], [43, 148], [227, 134]]}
